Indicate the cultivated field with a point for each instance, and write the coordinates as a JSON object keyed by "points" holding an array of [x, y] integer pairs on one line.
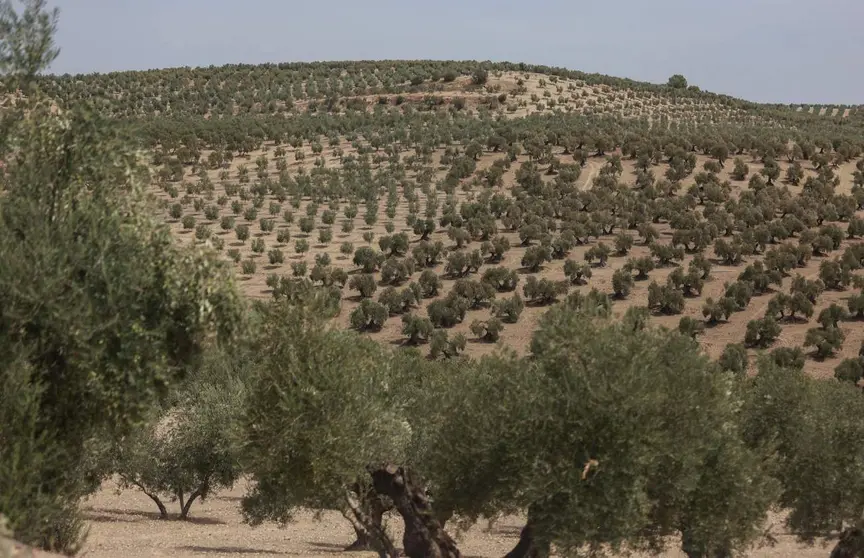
{"points": [[344, 224]]}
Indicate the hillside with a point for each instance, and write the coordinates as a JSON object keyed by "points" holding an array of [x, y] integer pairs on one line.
{"points": [[285, 169]]}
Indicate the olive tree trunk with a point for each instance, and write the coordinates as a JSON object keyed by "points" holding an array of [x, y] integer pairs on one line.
{"points": [[528, 545], [424, 537], [365, 513], [851, 543]]}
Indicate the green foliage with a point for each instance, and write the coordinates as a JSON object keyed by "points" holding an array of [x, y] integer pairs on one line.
{"points": [[825, 341], [788, 357], [808, 422], [850, 370], [368, 316], [734, 358], [544, 291], [449, 311], [501, 279], [242, 232], [718, 310], [188, 450], [690, 327], [441, 345], [762, 332], [575, 351], [535, 257], [665, 299], [319, 412], [364, 283], [508, 309], [367, 259], [677, 82], [489, 330], [429, 283], [77, 364], [622, 283], [416, 328], [576, 273]]}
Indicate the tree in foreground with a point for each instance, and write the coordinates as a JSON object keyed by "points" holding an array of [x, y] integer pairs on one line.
{"points": [[333, 418], [811, 425], [100, 311], [314, 383]]}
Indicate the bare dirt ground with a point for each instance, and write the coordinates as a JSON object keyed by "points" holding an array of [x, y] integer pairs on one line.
{"points": [[127, 526]]}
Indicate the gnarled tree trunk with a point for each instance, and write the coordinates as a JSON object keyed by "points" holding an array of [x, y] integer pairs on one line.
{"points": [[528, 545], [851, 543], [424, 537], [366, 510]]}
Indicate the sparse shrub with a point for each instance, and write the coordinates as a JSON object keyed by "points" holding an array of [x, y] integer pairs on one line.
{"points": [[202, 232], [298, 269], [276, 256], [267, 225], [248, 266], [188, 222]]}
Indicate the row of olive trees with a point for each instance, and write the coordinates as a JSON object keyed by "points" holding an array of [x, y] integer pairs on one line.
{"points": [[667, 444]]}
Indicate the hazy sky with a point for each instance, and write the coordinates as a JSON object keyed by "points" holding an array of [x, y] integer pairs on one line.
{"points": [[760, 50]]}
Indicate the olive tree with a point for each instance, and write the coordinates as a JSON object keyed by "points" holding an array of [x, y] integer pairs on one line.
{"points": [[319, 413], [100, 310], [807, 422], [188, 449]]}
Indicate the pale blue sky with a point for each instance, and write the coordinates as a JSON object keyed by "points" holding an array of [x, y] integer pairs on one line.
{"points": [[760, 50]]}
